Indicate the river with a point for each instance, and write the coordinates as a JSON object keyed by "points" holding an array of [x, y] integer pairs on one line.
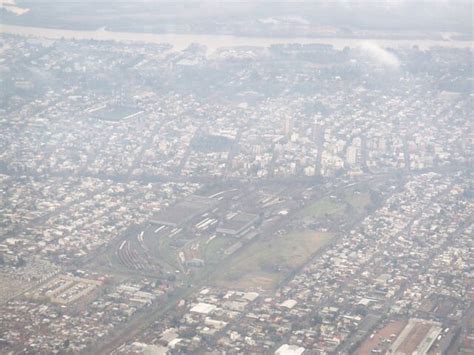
{"points": [[213, 42]]}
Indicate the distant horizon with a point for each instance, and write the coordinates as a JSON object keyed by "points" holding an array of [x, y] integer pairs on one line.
{"points": [[214, 42], [227, 17]]}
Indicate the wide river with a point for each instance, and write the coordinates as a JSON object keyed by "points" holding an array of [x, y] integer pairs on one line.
{"points": [[213, 42]]}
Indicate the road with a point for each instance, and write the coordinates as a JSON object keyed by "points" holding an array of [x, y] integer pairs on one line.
{"points": [[141, 323]]}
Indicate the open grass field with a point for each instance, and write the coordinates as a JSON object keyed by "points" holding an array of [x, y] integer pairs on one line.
{"points": [[358, 200], [325, 206], [212, 251], [166, 253], [338, 205], [268, 260]]}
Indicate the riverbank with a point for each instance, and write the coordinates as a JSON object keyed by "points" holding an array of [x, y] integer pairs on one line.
{"points": [[214, 42]]}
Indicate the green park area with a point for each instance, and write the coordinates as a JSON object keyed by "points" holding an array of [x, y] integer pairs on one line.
{"points": [[268, 260], [344, 203]]}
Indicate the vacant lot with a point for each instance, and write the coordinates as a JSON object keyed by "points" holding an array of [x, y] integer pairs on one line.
{"points": [[358, 200], [326, 206], [349, 202], [265, 262], [213, 250]]}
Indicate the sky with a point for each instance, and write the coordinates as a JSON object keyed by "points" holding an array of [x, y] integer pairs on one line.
{"points": [[411, 15]]}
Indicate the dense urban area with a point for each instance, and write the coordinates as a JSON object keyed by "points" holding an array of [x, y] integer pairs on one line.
{"points": [[289, 199]]}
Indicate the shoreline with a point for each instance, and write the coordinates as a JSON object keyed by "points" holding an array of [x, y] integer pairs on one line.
{"points": [[214, 42]]}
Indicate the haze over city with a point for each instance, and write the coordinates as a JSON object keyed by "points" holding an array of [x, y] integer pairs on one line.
{"points": [[236, 177]]}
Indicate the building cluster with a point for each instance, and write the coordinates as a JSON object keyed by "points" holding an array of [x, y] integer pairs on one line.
{"points": [[60, 222], [269, 120], [122, 166], [408, 262], [71, 313]]}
